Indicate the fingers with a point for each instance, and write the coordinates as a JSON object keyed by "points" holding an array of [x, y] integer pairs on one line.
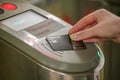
{"points": [[87, 20], [93, 40], [84, 34]]}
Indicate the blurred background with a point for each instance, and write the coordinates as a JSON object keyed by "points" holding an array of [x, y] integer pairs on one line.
{"points": [[72, 11]]}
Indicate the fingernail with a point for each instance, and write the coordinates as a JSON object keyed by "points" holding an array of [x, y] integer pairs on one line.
{"points": [[73, 36]]}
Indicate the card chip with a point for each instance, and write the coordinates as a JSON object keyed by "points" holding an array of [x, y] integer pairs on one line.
{"points": [[63, 42]]}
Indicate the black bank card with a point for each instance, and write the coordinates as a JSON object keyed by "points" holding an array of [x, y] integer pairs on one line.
{"points": [[63, 42]]}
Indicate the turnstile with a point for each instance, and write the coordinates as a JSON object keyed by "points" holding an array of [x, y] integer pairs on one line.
{"points": [[26, 55]]}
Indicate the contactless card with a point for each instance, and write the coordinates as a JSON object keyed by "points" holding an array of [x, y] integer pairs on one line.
{"points": [[63, 42]]}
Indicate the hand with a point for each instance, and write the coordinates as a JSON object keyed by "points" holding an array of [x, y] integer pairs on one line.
{"points": [[99, 25]]}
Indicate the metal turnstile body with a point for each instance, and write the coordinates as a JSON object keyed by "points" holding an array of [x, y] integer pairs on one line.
{"points": [[26, 55]]}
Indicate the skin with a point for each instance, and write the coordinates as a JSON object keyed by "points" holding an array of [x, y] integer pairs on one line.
{"points": [[97, 26]]}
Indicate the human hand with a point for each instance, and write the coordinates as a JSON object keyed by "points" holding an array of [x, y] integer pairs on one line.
{"points": [[99, 25]]}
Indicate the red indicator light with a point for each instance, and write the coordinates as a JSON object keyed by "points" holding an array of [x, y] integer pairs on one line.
{"points": [[8, 6]]}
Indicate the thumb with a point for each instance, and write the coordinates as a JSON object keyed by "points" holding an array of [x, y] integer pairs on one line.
{"points": [[84, 34]]}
